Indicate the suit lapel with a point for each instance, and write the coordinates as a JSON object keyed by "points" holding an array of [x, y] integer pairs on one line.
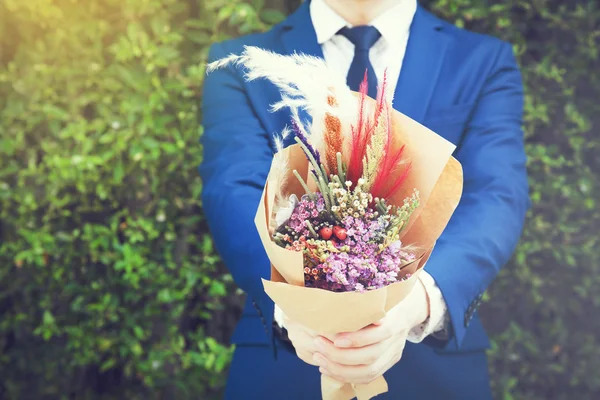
{"points": [[299, 35], [421, 66]]}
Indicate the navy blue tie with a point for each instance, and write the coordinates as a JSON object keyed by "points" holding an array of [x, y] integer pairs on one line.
{"points": [[363, 38]]}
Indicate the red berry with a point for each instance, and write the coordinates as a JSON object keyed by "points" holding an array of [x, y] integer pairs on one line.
{"points": [[341, 234], [325, 232]]}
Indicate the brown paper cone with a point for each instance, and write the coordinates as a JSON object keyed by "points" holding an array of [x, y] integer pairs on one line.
{"points": [[436, 175], [334, 390], [330, 312]]}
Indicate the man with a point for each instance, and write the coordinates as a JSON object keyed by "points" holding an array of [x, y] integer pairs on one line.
{"points": [[465, 87]]}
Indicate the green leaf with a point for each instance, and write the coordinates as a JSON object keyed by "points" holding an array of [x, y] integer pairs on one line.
{"points": [[258, 4], [108, 364], [139, 332], [272, 16], [217, 289], [118, 172], [164, 296], [202, 38], [136, 349], [48, 318]]}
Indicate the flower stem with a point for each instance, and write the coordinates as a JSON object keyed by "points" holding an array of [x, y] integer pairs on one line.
{"points": [[311, 228], [312, 160], [304, 185], [324, 192], [324, 172], [381, 207], [340, 165]]}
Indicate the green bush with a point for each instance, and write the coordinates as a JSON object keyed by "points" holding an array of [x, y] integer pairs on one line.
{"points": [[542, 309], [109, 284], [107, 277]]}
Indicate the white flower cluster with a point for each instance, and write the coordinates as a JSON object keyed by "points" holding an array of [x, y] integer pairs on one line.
{"points": [[349, 202]]}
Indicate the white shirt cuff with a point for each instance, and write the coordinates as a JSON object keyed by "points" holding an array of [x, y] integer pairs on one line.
{"points": [[438, 311], [278, 317]]}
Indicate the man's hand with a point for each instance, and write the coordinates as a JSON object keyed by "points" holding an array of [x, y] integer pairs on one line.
{"points": [[364, 355], [303, 339]]}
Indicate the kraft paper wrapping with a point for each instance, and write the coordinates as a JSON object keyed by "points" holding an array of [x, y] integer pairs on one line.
{"points": [[437, 176]]}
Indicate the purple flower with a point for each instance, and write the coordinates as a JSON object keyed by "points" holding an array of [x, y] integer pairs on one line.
{"points": [[306, 209], [320, 203], [304, 140], [359, 264]]}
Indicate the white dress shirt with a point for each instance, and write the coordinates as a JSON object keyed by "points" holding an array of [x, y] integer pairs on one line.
{"points": [[386, 54]]}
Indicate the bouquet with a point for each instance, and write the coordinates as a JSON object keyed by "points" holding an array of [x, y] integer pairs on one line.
{"points": [[351, 211], [348, 234]]}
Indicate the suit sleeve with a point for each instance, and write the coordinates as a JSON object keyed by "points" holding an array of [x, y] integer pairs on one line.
{"points": [[485, 228], [237, 158]]}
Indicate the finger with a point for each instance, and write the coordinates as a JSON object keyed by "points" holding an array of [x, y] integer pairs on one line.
{"points": [[395, 352], [369, 335], [325, 372], [348, 373], [297, 329], [301, 338], [302, 341], [330, 336], [353, 355], [307, 357]]}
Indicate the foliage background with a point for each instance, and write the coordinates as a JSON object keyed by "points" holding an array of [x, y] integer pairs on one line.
{"points": [[109, 285]]}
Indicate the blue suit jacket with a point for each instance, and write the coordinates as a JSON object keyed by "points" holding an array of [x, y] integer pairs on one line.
{"points": [[462, 85]]}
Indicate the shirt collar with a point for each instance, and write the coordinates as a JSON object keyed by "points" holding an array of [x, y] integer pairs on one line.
{"points": [[393, 25], [325, 21]]}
